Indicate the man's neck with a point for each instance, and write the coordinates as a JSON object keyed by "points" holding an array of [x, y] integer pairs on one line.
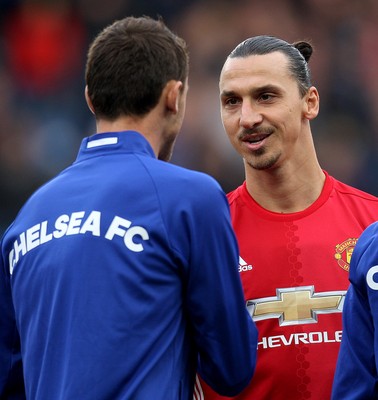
{"points": [[285, 191], [148, 126]]}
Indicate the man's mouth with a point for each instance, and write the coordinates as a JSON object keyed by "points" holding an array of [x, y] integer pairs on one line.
{"points": [[254, 139]]}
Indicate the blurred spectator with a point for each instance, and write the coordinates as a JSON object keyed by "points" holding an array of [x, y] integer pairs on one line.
{"points": [[43, 113], [44, 44]]}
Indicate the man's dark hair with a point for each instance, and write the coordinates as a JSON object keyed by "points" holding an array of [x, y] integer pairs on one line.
{"points": [[298, 55], [130, 62]]}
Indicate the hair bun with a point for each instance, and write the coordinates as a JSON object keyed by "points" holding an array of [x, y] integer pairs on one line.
{"points": [[304, 48]]}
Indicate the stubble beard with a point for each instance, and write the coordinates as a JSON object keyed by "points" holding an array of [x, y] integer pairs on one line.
{"points": [[261, 161]]}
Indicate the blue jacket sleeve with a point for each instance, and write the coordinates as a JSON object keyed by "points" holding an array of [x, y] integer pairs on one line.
{"points": [[11, 376], [356, 371], [225, 334]]}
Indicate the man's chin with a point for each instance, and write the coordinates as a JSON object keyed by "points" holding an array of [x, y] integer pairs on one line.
{"points": [[262, 163]]}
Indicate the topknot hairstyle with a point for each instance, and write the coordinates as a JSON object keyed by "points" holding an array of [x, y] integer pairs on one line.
{"points": [[298, 54]]}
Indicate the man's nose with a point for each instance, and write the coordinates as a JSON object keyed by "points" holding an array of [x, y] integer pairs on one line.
{"points": [[250, 115]]}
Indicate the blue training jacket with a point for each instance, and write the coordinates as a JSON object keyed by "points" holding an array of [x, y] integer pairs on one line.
{"points": [[123, 275], [356, 375]]}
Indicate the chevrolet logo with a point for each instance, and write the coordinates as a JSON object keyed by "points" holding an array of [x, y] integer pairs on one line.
{"points": [[298, 305]]}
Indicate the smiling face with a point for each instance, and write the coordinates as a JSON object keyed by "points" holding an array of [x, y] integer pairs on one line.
{"points": [[262, 110]]}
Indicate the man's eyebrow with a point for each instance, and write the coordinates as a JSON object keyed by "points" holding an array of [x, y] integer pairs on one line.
{"points": [[255, 91], [227, 93], [267, 88]]}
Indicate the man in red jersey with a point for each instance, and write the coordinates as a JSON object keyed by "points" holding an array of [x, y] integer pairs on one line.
{"points": [[296, 225]]}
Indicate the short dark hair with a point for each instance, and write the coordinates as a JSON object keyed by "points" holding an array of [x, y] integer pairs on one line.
{"points": [[298, 54], [130, 62]]}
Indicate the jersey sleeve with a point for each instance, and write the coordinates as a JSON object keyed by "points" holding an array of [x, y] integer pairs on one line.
{"points": [[11, 376], [225, 334], [356, 371]]}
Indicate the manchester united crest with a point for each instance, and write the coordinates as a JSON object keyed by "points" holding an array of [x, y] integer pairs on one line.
{"points": [[344, 252]]}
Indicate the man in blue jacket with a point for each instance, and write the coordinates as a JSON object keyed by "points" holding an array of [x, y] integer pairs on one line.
{"points": [[119, 277], [356, 376]]}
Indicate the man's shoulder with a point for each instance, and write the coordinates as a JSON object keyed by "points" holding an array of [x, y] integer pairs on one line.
{"points": [[186, 179], [345, 189], [365, 255], [179, 188], [369, 236], [235, 194]]}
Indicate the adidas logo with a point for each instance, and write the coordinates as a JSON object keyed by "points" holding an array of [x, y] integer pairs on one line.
{"points": [[243, 266]]}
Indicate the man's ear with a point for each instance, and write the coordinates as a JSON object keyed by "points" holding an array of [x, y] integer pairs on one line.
{"points": [[88, 100], [173, 91], [311, 107]]}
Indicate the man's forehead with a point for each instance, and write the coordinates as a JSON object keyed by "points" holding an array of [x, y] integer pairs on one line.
{"points": [[273, 65], [276, 61]]}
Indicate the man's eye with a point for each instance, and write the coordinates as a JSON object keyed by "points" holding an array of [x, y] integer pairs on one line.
{"points": [[265, 96], [231, 101]]}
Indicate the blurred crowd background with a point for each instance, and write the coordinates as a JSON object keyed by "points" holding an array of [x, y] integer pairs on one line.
{"points": [[43, 115]]}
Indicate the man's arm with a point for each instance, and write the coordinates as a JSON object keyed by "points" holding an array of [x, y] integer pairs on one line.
{"points": [[356, 372], [225, 334]]}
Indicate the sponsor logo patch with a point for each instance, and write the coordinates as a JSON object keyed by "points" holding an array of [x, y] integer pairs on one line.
{"points": [[244, 266], [294, 306]]}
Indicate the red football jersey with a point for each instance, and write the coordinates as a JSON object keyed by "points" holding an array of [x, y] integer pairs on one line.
{"points": [[294, 270]]}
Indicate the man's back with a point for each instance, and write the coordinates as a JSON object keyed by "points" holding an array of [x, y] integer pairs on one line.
{"points": [[103, 259]]}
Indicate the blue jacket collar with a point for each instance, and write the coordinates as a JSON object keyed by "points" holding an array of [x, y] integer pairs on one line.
{"points": [[114, 142]]}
